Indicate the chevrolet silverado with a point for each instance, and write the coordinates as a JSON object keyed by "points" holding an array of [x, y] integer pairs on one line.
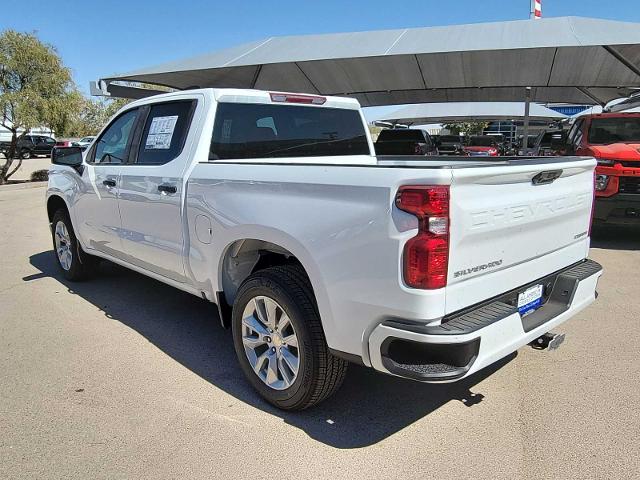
{"points": [[317, 253]]}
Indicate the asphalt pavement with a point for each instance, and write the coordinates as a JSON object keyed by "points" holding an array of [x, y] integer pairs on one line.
{"points": [[124, 377]]}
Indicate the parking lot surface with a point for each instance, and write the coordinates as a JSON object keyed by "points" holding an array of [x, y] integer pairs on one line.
{"points": [[28, 166], [124, 377]]}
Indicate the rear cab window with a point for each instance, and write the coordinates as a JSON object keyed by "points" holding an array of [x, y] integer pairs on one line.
{"points": [[245, 131]]}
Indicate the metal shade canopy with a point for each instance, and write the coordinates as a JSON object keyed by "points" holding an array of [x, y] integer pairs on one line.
{"points": [[459, 112], [565, 59]]}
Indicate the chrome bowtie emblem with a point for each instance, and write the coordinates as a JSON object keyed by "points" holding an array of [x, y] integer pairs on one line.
{"points": [[546, 177]]}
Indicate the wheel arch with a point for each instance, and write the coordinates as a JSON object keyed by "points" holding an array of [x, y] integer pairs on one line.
{"points": [[245, 256], [54, 203]]}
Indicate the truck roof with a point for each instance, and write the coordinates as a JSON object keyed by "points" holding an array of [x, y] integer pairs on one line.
{"points": [[240, 95], [611, 115]]}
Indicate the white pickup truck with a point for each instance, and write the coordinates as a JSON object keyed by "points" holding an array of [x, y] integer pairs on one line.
{"points": [[316, 251]]}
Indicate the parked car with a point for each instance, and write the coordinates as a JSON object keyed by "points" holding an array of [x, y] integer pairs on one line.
{"points": [[84, 142], [550, 143], [531, 145], [405, 141], [30, 146], [451, 145], [500, 142], [317, 252], [482, 146], [614, 140]]}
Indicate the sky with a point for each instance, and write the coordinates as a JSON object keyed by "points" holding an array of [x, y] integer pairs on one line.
{"points": [[98, 39]]}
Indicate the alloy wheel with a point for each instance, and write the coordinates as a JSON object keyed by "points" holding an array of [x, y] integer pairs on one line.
{"points": [[270, 342], [63, 245]]}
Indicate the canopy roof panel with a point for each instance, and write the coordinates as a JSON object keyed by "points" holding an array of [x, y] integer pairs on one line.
{"points": [[567, 59], [459, 112]]}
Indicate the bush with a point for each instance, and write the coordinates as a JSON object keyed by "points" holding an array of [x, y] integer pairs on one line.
{"points": [[40, 176]]}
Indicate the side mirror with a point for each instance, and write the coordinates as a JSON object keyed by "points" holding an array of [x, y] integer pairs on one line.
{"points": [[69, 156]]}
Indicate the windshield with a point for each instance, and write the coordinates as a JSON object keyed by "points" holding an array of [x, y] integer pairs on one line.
{"points": [[482, 142], [614, 130], [449, 139]]}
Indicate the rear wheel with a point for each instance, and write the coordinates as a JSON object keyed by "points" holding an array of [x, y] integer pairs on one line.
{"points": [[74, 263], [279, 340]]}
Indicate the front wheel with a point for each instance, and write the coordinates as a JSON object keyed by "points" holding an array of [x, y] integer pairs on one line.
{"points": [[279, 340], [24, 154], [74, 263]]}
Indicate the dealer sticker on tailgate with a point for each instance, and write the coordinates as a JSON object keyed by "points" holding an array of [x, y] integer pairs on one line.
{"points": [[529, 300]]}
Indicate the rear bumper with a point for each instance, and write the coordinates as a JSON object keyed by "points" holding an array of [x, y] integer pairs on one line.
{"points": [[474, 338], [621, 209]]}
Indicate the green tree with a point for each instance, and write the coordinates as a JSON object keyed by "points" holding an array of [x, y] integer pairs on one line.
{"points": [[65, 113], [94, 114], [467, 128], [35, 89]]}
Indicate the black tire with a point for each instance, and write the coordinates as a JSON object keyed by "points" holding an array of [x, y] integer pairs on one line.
{"points": [[24, 154], [82, 265], [320, 373]]}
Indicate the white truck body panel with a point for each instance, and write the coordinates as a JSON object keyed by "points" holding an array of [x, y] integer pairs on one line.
{"points": [[337, 216]]}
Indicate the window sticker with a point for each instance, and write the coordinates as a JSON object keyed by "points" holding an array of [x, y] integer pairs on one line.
{"points": [[161, 132]]}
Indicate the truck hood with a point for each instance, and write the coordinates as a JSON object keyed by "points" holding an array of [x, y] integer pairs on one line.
{"points": [[616, 151]]}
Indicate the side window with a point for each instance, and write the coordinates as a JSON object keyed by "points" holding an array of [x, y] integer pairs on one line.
{"points": [[165, 132], [50, 141], [112, 145]]}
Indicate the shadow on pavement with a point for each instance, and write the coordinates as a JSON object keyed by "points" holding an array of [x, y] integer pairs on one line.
{"points": [[616, 237], [367, 409]]}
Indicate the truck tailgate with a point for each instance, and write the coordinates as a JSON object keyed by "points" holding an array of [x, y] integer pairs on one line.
{"points": [[506, 218]]}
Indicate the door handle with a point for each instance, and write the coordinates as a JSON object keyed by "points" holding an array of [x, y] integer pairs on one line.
{"points": [[164, 188], [109, 183]]}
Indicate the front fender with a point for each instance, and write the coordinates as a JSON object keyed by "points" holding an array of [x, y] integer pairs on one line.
{"points": [[65, 184]]}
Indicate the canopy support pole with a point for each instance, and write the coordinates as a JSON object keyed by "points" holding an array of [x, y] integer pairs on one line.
{"points": [[532, 10], [525, 133]]}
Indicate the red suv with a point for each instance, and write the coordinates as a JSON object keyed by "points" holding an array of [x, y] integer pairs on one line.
{"points": [[482, 146], [614, 140]]}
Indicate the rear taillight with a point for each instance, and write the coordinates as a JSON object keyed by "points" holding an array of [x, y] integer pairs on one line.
{"points": [[426, 256], [296, 98]]}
